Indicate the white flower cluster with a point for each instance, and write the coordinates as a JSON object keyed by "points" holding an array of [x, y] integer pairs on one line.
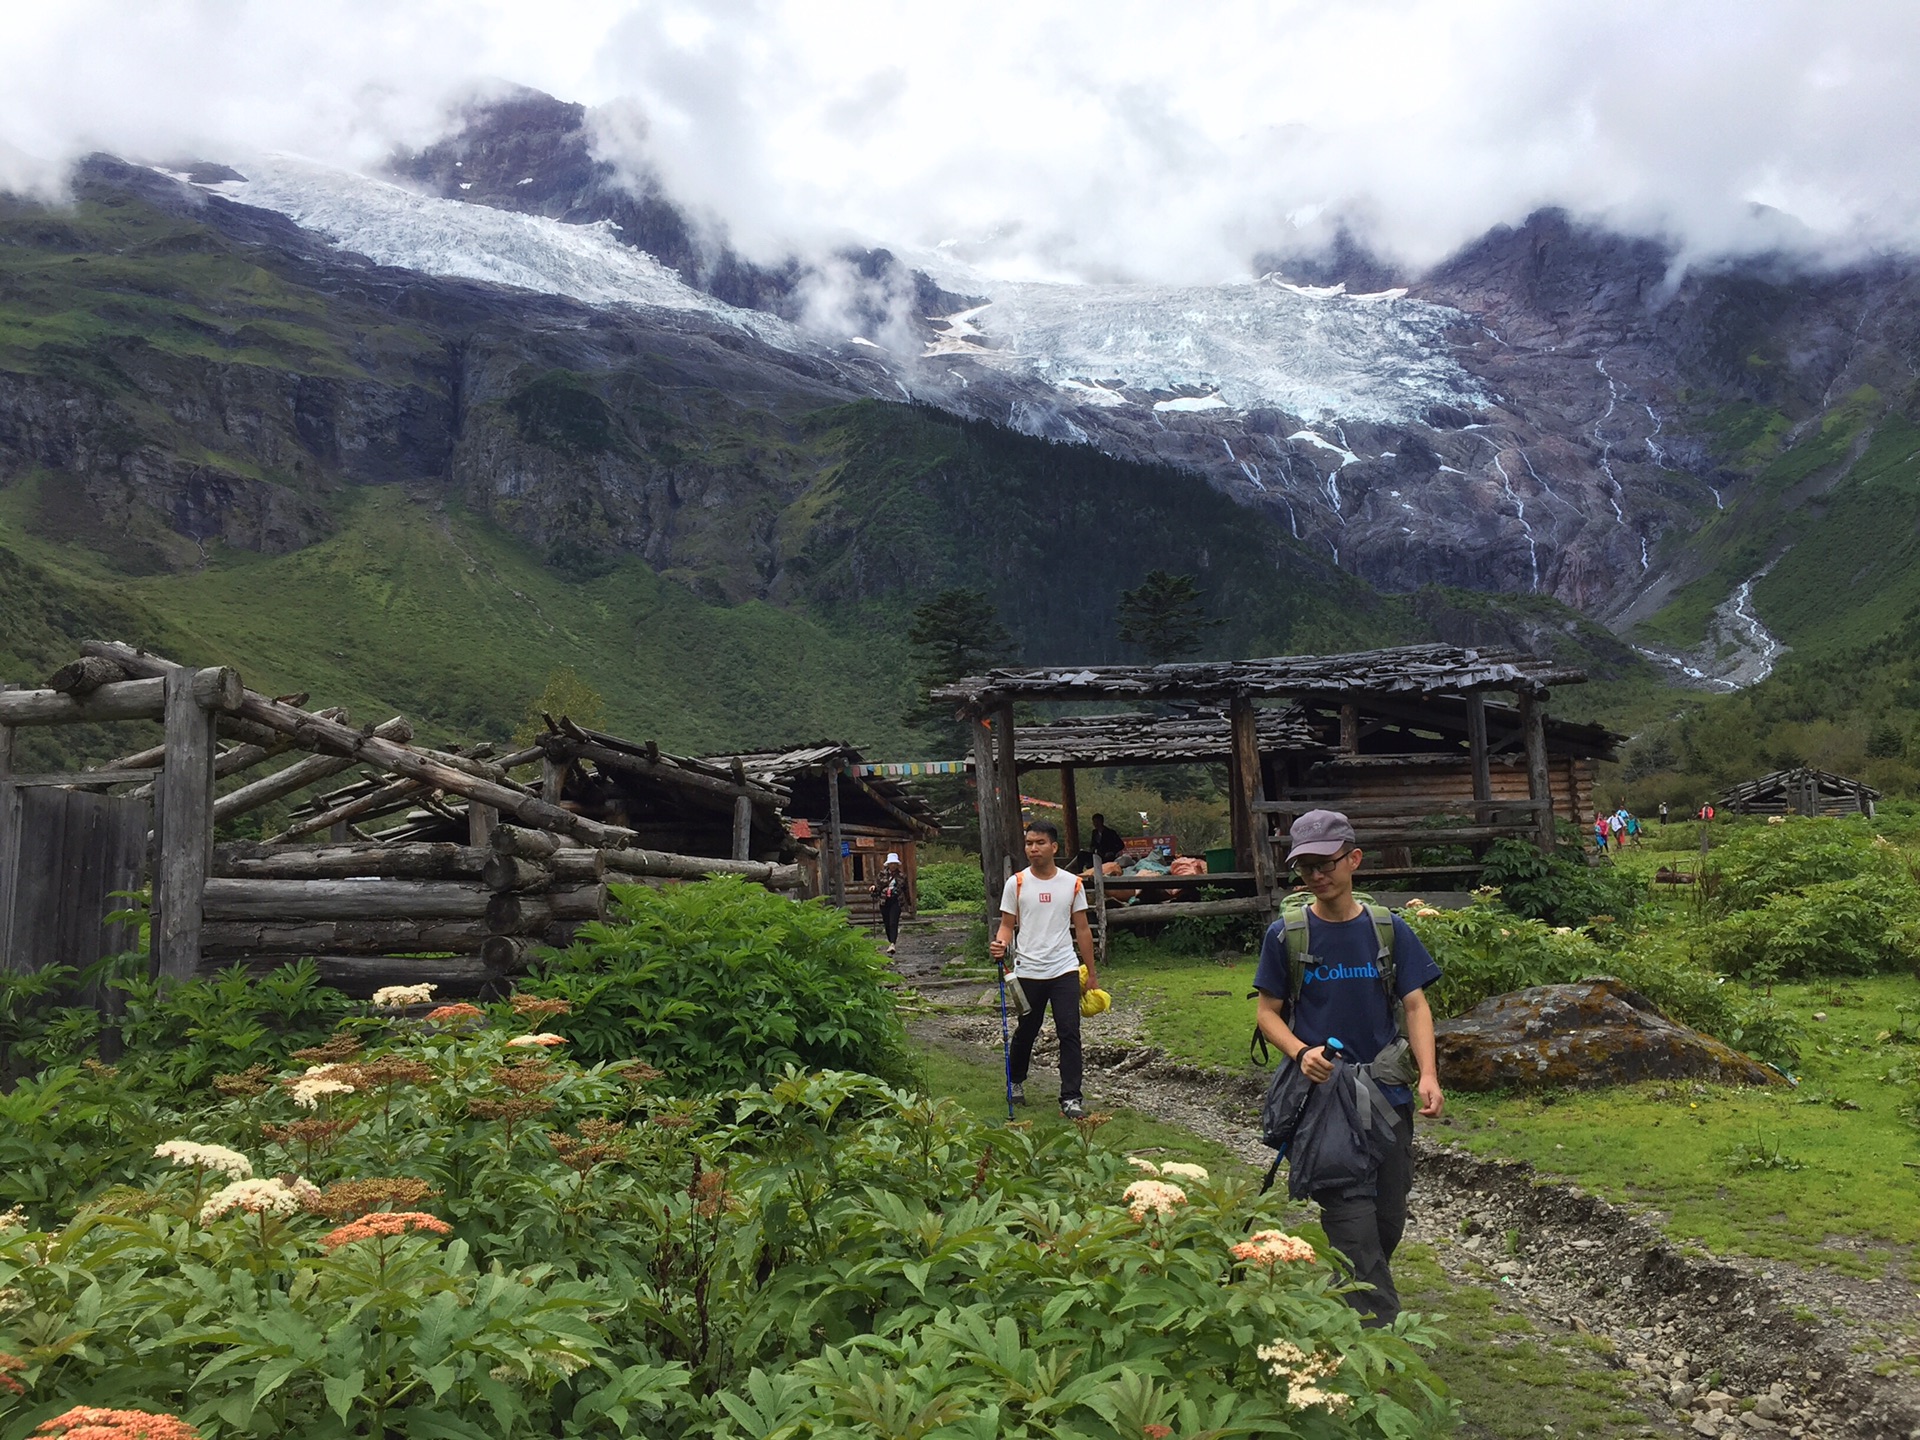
{"points": [[271, 1197], [318, 1081], [1176, 1169], [1300, 1370], [398, 997], [206, 1157]]}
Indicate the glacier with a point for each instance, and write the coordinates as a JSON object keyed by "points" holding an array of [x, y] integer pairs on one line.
{"points": [[391, 225], [1316, 353], [1312, 352]]}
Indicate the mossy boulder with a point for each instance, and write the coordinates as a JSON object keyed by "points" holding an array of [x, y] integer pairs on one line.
{"points": [[1597, 1032]]}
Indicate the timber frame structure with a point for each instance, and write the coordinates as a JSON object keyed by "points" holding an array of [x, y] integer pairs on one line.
{"points": [[847, 813], [1365, 732], [482, 868], [1802, 791]]}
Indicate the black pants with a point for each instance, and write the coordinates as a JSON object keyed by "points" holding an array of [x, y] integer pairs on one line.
{"points": [[1063, 994], [890, 917], [1367, 1229]]}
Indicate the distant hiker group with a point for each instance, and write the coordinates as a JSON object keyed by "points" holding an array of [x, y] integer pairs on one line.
{"points": [[1622, 828]]}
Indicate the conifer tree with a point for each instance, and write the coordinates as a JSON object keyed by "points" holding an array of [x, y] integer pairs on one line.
{"points": [[1165, 617]]}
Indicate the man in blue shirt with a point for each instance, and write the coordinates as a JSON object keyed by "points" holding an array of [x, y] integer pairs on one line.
{"points": [[1342, 997]]}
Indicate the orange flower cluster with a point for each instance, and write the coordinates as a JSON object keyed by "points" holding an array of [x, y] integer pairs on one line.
{"points": [[538, 1007], [387, 1070], [314, 1134], [357, 1197], [447, 1014], [385, 1225], [90, 1422], [709, 1194], [10, 1366], [511, 1111], [1268, 1248]]}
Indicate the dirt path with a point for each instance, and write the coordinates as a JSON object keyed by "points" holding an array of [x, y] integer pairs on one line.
{"points": [[1720, 1347]]}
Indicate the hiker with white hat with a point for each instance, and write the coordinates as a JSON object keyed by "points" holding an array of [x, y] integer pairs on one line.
{"points": [[890, 889]]}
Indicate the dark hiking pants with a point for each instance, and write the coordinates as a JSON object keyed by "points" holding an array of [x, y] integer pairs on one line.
{"points": [[1366, 1229], [1063, 994], [890, 917]]}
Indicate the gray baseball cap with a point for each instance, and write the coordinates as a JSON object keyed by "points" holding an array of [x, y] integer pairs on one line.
{"points": [[1320, 832]]}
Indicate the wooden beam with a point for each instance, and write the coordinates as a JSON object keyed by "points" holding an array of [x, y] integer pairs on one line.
{"points": [[1409, 807], [359, 976], [358, 899], [380, 800], [1128, 915], [1350, 728], [143, 699], [510, 913], [835, 861], [251, 860], [1070, 808], [84, 779], [658, 864], [291, 939], [1539, 783], [85, 675], [6, 741], [481, 820], [386, 755], [183, 825], [1477, 748], [301, 773], [716, 792]]}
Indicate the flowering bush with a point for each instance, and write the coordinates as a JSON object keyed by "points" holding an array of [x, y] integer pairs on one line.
{"points": [[487, 1241]]}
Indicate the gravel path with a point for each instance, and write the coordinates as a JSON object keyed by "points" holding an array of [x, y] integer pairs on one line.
{"points": [[1723, 1347]]}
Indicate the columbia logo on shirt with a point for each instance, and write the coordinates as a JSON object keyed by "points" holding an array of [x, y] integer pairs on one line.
{"points": [[1339, 972]]}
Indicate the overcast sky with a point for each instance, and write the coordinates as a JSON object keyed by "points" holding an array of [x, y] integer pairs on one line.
{"points": [[1088, 141]]}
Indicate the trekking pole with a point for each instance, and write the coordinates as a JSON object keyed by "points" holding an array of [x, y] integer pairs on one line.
{"points": [[1006, 1045]]}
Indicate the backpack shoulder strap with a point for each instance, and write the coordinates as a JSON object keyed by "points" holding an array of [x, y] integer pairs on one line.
{"points": [[1383, 965], [1294, 918]]}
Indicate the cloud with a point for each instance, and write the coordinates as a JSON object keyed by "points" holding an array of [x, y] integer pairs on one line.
{"points": [[1123, 141]]}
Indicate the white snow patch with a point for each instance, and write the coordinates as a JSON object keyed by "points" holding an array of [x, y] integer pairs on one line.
{"points": [[862, 340], [394, 226], [1192, 404], [1092, 393], [1347, 457]]}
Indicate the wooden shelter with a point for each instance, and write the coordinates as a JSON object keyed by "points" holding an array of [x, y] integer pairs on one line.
{"points": [[1801, 791], [1405, 740], [481, 868], [851, 813]]}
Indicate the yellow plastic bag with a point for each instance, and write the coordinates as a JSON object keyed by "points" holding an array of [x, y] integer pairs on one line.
{"points": [[1093, 1002]]}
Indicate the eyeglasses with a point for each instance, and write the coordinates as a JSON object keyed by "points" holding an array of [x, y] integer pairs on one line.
{"points": [[1319, 867]]}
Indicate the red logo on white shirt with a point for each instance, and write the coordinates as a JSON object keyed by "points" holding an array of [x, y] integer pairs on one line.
{"points": [[1046, 897]]}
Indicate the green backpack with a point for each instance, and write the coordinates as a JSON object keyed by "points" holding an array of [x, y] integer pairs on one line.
{"points": [[1293, 914]]}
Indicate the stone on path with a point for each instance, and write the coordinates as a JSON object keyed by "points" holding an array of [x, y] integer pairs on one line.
{"points": [[1597, 1032]]}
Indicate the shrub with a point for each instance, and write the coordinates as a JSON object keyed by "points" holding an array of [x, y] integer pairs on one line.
{"points": [[950, 885], [1855, 926], [721, 982], [479, 1246], [1561, 888], [1759, 862]]}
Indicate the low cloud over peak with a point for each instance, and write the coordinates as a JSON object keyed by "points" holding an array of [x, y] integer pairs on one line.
{"points": [[1123, 142]]}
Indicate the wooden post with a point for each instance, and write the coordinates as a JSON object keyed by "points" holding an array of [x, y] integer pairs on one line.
{"points": [[743, 827], [1070, 808], [9, 846], [6, 736], [183, 829], [836, 861], [553, 779], [1477, 749], [482, 821], [1249, 790], [1007, 781], [1243, 779], [987, 803], [1099, 906], [1350, 729], [1533, 724]]}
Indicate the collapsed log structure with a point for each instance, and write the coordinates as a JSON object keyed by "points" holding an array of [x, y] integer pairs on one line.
{"points": [[479, 865], [1800, 791], [1404, 740]]}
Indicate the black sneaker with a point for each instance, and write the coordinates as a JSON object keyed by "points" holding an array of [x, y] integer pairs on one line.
{"points": [[1072, 1110], [1017, 1094]]}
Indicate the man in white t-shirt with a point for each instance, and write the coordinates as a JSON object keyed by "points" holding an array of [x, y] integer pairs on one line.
{"points": [[1047, 909]]}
